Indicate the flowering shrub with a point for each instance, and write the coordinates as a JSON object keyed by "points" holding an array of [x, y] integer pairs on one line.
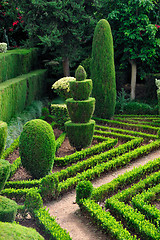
{"points": [[3, 47], [11, 27], [61, 87]]}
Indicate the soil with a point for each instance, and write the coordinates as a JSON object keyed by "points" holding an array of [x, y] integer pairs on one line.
{"points": [[66, 211]]}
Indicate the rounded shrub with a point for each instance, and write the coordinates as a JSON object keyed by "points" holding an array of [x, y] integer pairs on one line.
{"points": [[80, 134], [80, 111], [81, 90], [49, 187], [103, 70], [3, 136], [37, 147], [80, 73], [83, 190], [8, 209], [14, 231], [33, 201], [4, 172]]}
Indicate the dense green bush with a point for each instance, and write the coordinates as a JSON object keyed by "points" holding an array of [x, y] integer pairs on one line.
{"points": [[103, 70], [33, 201], [60, 114], [49, 187], [37, 147], [83, 190], [8, 209], [3, 136]]}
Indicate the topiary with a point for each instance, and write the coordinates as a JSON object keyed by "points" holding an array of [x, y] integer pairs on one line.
{"points": [[83, 190], [81, 107], [103, 70], [3, 136], [37, 147], [14, 231], [8, 209]]}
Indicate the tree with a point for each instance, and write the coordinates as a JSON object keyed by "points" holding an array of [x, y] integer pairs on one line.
{"points": [[62, 28], [103, 70], [134, 26]]}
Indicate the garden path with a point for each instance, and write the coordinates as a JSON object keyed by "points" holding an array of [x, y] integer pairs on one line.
{"points": [[70, 217]]}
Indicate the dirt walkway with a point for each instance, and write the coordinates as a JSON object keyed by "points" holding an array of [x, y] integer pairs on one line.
{"points": [[70, 217]]}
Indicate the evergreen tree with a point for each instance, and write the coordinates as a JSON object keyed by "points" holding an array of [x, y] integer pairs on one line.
{"points": [[63, 27], [103, 70]]}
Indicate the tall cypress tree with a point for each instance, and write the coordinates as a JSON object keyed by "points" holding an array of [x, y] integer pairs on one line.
{"points": [[103, 70]]}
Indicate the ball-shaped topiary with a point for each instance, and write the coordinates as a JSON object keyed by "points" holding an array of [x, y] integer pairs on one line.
{"points": [[37, 147], [80, 73], [103, 70]]}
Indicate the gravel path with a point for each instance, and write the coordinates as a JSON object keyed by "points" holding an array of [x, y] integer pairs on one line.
{"points": [[70, 217]]}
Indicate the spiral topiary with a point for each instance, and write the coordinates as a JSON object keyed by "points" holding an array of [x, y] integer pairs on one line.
{"points": [[37, 147]]}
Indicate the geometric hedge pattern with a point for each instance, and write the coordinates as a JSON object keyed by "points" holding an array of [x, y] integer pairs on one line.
{"points": [[128, 212]]}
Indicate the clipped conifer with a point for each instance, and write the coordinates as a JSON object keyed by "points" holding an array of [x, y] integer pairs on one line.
{"points": [[103, 70]]}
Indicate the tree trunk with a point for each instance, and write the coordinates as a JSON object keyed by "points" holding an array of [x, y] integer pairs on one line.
{"points": [[133, 78], [66, 70]]}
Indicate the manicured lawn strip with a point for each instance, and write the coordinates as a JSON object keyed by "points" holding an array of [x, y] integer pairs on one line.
{"points": [[106, 221], [142, 203], [149, 129], [113, 164], [133, 219], [125, 179], [79, 155], [50, 226], [133, 133], [120, 136]]}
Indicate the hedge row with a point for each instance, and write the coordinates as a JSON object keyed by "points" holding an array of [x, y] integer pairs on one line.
{"points": [[127, 132], [17, 93], [79, 155], [100, 193], [142, 203], [133, 219], [106, 221], [122, 137], [17, 62], [140, 127]]}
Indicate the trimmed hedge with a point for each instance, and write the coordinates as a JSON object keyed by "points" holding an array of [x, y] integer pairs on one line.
{"points": [[17, 93], [3, 136], [17, 62]]}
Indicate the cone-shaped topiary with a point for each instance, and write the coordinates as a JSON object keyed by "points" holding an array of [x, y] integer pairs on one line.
{"points": [[37, 147], [80, 73], [103, 70], [81, 107], [3, 136]]}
